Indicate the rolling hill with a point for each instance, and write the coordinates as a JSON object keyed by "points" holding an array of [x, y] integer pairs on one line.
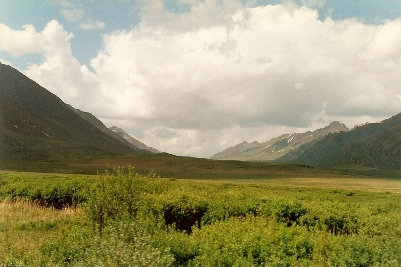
{"points": [[278, 146]]}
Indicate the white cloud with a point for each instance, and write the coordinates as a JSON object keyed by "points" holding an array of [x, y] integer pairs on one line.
{"points": [[60, 72], [92, 25], [19, 42], [193, 83], [73, 14]]}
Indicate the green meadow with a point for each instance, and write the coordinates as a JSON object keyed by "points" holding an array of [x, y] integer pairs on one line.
{"points": [[122, 218]]}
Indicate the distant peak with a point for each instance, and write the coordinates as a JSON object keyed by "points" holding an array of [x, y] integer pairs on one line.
{"points": [[133, 141], [336, 125]]}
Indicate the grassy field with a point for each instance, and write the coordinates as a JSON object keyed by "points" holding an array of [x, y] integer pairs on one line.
{"points": [[349, 183], [175, 166], [25, 225], [123, 218]]}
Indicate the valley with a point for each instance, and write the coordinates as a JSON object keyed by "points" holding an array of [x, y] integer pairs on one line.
{"points": [[208, 133], [74, 192], [39, 132]]}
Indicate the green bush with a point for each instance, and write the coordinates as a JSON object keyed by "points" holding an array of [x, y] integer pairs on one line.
{"points": [[290, 213], [341, 225], [135, 220], [57, 192], [121, 244]]}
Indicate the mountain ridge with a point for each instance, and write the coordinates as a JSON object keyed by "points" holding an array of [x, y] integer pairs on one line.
{"points": [[126, 139], [133, 141], [35, 124], [277, 146], [371, 145]]}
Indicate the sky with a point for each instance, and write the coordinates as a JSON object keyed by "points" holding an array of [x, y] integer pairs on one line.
{"points": [[195, 77]]}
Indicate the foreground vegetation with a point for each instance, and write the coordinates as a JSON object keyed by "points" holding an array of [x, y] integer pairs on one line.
{"points": [[121, 218]]}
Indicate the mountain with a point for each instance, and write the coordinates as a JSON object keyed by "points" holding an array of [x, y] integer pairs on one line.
{"points": [[380, 151], [36, 125], [115, 132], [375, 145], [122, 134], [278, 146], [89, 117]]}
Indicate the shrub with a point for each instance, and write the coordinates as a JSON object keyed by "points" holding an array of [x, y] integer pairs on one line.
{"points": [[290, 213], [340, 225], [122, 243], [115, 195]]}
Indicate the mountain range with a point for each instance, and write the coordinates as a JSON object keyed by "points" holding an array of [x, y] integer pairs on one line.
{"points": [[374, 145], [277, 147], [36, 125]]}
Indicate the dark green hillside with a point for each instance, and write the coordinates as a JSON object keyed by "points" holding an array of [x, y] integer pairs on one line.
{"points": [[90, 118], [380, 151], [37, 125], [374, 145], [125, 139]]}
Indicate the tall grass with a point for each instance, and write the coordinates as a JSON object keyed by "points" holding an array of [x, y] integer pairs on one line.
{"points": [[24, 225]]}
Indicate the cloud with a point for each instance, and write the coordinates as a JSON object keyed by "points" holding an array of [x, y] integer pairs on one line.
{"points": [[73, 14], [192, 83], [92, 25], [248, 66], [60, 72], [19, 42]]}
